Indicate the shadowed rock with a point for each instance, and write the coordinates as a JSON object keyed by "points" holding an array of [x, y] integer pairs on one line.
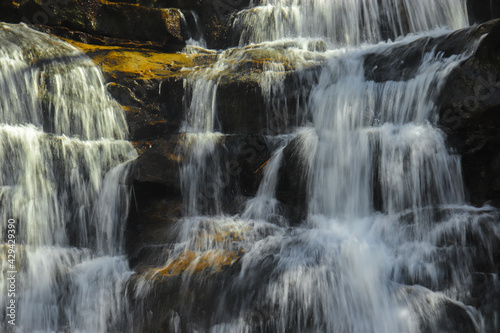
{"points": [[470, 116]]}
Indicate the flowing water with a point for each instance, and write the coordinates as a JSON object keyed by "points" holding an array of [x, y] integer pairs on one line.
{"points": [[346, 22], [388, 243], [63, 179]]}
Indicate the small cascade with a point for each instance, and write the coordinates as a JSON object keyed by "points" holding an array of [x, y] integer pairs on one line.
{"points": [[200, 174], [51, 98], [63, 179], [346, 22], [384, 127], [265, 206], [194, 30]]}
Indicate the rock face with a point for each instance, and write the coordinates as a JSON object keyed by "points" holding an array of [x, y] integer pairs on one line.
{"points": [[470, 115]]}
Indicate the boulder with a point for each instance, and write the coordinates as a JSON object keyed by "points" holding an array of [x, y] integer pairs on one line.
{"points": [[401, 63], [150, 227], [195, 286], [469, 109], [99, 17], [437, 313]]}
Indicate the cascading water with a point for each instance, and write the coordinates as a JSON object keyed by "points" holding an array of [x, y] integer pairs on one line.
{"points": [[346, 22], [63, 179], [264, 205], [385, 243]]}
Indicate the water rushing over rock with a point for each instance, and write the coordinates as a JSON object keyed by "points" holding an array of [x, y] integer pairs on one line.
{"points": [[346, 22], [265, 206], [388, 242], [63, 178], [377, 139], [360, 222]]}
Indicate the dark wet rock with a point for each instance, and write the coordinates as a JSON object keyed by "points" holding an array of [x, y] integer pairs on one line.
{"points": [[152, 217], [119, 20], [241, 159], [189, 299], [215, 17], [93, 39], [244, 158], [159, 162], [450, 317], [470, 116], [244, 108], [154, 108], [483, 10], [208, 18], [228, 100], [486, 296], [181, 4], [402, 62], [157, 202], [168, 22], [291, 190]]}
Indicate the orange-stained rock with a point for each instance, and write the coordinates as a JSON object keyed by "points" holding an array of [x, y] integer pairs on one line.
{"points": [[143, 64], [191, 262]]}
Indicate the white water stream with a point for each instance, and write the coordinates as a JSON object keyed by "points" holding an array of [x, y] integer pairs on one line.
{"points": [[63, 179], [401, 265]]}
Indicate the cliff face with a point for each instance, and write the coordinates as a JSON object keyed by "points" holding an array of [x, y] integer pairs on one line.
{"points": [[139, 46]]}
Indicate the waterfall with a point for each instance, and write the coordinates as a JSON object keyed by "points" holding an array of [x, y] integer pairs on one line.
{"points": [[346, 22], [200, 176], [264, 206], [386, 244], [63, 179], [365, 126]]}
